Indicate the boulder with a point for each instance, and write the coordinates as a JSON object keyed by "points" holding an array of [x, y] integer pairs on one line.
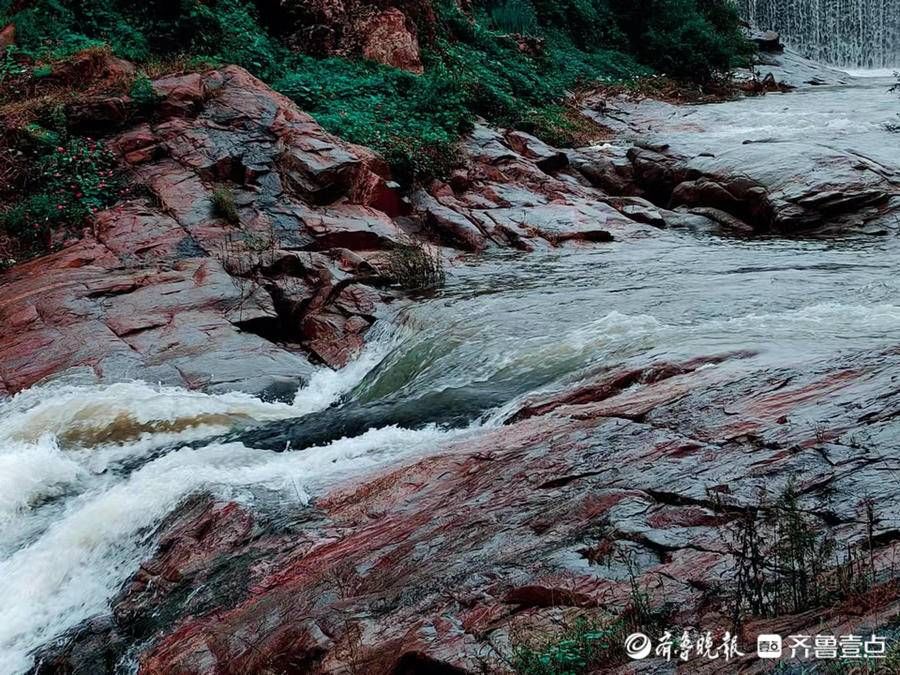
{"points": [[767, 41], [788, 187], [7, 37], [547, 159], [390, 39], [386, 32], [449, 224]]}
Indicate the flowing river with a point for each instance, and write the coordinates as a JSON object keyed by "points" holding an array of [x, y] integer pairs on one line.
{"points": [[86, 473]]}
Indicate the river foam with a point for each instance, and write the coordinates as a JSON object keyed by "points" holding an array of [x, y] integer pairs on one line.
{"points": [[86, 473]]}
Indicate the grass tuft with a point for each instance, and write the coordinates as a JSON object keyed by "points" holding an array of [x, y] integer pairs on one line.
{"points": [[413, 265], [223, 205]]}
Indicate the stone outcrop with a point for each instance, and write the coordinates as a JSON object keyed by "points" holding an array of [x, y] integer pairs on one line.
{"points": [[780, 186], [767, 41], [746, 184], [389, 40], [382, 31], [163, 287], [7, 37], [448, 560]]}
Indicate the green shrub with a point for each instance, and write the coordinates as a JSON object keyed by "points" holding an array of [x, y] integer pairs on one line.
{"points": [[143, 93], [414, 122], [413, 265], [582, 648], [515, 16], [223, 205], [9, 66], [72, 181], [692, 39], [226, 29]]}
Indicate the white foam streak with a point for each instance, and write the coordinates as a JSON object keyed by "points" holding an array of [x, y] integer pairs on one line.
{"points": [[74, 522], [72, 570]]}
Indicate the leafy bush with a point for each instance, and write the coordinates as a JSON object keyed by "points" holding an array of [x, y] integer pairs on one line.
{"points": [[142, 92], [515, 16], [414, 122], [579, 649], [9, 66], [223, 205], [226, 29], [691, 39], [73, 181]]}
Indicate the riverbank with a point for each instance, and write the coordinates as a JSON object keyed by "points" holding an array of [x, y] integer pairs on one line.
{"points": [[649, 352]]}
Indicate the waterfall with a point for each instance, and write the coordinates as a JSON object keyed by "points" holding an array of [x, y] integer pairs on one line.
{"points": [[849, 33]]}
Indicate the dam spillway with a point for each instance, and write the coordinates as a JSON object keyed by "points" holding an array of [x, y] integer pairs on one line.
{"points": [[847, 33]]}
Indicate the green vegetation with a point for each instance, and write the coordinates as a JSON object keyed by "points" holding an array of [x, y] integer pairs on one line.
{"points": [[223, 205], [142, 92], [413, 265], [70, 181], [511, 61], [586, 644], [785, 564]]}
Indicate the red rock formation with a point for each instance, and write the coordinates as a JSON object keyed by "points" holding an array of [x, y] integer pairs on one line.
{"points": [[7, 37], [442, 561], [380, 30], [388, 39], [161, 288]]}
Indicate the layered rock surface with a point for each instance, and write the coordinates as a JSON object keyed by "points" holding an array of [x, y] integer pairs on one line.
{"points": [[165, 289], [822, 173], [441, 564]]}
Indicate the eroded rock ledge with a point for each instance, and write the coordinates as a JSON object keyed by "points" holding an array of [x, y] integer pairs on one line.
{"points": [[435, 566], [164, 289]]}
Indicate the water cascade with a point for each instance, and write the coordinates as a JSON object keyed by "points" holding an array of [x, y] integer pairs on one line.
{"points": [[848, 33]]}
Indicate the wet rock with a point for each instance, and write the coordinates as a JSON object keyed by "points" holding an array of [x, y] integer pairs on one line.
{"points": [[608, 169], [790, 68], [546, 158], [93, 647], [197, 541], [163, 288], [639, 210], [451, 225], [439, 562], [767, 41], [508, 197], [434, 557], [785, 187]]}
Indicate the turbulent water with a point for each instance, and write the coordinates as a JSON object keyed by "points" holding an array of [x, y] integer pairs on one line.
{"points": [[852, 33], [86, 473]]}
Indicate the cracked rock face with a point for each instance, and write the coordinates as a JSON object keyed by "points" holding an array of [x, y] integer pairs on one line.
{"points": [[165, 289], [382, 31], [817, 165], [441, 559]]}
